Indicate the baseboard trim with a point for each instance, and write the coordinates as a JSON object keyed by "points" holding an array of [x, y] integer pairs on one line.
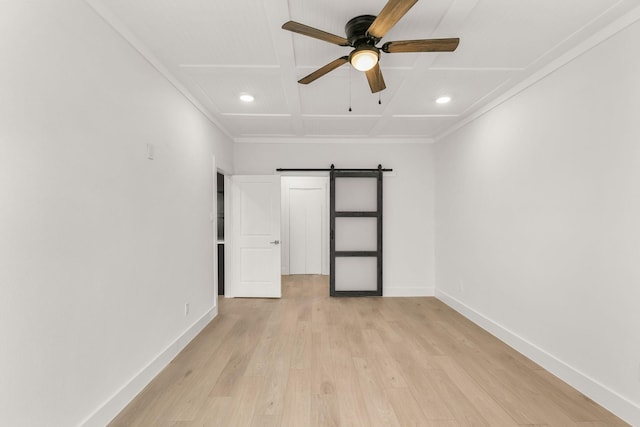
{"points": [[614, 402], [116, 403], [408, 292]]}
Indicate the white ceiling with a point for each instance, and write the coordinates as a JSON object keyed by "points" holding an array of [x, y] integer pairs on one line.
{"points": [[217, 49]]}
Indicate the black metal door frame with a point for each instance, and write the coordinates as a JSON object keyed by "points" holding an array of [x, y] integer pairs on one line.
{"points": [[346, 173]]}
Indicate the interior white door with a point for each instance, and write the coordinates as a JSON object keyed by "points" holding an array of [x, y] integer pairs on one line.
{"points": [[305, 224], [305, 230], [255, 203]]}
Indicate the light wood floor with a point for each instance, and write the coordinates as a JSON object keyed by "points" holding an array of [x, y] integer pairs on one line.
{"points": [[311, 360]]}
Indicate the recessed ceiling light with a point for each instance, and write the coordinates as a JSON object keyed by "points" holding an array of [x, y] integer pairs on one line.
{"points": [[443, 100], [246, 97]]}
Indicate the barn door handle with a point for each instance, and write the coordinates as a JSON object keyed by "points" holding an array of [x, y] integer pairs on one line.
{"points": [[275, 242]]}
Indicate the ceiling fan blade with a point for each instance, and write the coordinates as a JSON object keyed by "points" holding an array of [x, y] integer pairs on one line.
{"points": [[324, 70], [306, 30], [388, 16], [427, 45], [376, 81]]}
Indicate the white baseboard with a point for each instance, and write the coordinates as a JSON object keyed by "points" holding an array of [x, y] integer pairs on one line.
{"points": [[116, 403], [614, 402], [408, 291]]}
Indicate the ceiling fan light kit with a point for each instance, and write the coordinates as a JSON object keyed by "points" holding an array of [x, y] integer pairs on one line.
{"points": [[363, 33], [364, 58]]}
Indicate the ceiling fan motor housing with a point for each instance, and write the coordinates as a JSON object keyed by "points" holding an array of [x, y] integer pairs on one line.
{"points": [[356, 30]]}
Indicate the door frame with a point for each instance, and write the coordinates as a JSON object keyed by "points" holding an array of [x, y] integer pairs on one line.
{"points": [[213, 216]]}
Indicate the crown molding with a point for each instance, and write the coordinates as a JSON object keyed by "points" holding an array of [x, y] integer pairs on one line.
{"points": [[337, 139]]}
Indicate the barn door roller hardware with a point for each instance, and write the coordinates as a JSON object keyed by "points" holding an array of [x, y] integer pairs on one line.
{"points": [[334, 169]]}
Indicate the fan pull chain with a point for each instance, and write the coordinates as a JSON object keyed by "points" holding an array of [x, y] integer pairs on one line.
{"points": [[350, 89], [379, 98]]}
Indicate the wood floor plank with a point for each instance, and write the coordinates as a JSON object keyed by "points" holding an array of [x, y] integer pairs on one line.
{"points": [[487, 406], [231, 374], [301, 353], [310, 360], [380, 410], [324, 402], [464, 412], [388, 369], [271, 400], [212, 411], [297, 401], [519, 409], [351, 403], [411, 354], [550, 412], [266, 420], [578, 406], [406, 407], [241, 409]]}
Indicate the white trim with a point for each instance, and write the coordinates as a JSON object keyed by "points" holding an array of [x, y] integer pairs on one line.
{"points": [[408, 291], [228, 241], [422, 116], [257, 115], [334, 140], [342, 116], [346, 70], [116, 403], [214, 231], [476, 69], [600, 393], [227, 66], [591, 42]]}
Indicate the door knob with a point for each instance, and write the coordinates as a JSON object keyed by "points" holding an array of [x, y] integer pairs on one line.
{"points": [[275, 242]]}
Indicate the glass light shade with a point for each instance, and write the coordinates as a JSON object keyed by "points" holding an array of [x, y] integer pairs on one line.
{"points": [[364, 60]]}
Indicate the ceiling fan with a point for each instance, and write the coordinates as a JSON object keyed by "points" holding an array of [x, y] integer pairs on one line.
{"points": [[363, 33]]}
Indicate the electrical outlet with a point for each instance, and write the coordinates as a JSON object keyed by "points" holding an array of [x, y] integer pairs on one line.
{"points": [[186, 309]]}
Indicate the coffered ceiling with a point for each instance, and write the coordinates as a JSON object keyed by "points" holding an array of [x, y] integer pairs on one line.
{"points": [[215, 50]]}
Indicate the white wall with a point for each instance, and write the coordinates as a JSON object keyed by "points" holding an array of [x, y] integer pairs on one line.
{"points": [[100, 248], [408, 198], [538, 222]]}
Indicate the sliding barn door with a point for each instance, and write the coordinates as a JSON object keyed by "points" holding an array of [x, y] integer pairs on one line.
{"points": [[356, 233]]}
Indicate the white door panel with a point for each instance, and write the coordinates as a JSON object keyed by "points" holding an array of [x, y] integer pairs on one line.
{"points": [[255, 203], [297, 231], [305, 230], [305, 222], [315, 199]]}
